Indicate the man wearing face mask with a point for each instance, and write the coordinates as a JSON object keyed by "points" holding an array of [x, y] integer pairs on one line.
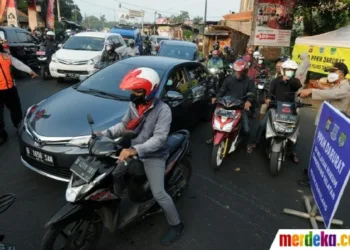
{"points": [[215, 62], [109, 55], [239, 85], [283, 89], [150, 118]]}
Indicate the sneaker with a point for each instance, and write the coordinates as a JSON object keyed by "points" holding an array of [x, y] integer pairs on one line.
{"points": [[173, 234]]}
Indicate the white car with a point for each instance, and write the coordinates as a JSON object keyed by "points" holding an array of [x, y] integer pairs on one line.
{"points": [[78, 55]]}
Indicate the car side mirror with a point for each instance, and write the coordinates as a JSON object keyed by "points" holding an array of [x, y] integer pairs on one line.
{"points": [[174, 96], [59, 45]]}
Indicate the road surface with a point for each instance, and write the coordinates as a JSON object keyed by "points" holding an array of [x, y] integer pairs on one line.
{"points": [[239, 207]]}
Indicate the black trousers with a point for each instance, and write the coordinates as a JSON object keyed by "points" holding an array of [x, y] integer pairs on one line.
{"points": [[10, 99]]}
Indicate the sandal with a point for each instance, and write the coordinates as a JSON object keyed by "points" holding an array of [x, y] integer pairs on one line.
{"points": [[295, 158], [210, 141]]}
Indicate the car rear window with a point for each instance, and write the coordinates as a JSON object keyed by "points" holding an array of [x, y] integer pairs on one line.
{"points": [[180, 52], [85, 43], [109, 79]]}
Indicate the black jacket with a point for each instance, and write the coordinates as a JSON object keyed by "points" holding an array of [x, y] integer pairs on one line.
{"points": [[109, 56], [284, 91], [237, 87]]}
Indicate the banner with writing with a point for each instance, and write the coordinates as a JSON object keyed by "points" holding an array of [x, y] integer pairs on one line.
{"points": [[329, 163], [322, 57], [50, 16]]}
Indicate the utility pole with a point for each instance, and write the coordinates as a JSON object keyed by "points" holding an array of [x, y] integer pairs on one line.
{"points": [[205, 24], [58, 10], [155, 19]]}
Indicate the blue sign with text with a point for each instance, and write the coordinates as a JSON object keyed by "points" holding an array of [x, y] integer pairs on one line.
{"points": [[330, 163]]}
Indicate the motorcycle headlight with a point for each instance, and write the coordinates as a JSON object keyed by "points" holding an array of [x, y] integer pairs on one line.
{"points": [[213, 70], [54, 58], [81, 141], [72, 193], [260, 86], [282, 128]]}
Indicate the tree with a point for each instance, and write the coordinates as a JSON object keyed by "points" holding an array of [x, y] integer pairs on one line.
{"points": [[197, 20], [180, 18]]}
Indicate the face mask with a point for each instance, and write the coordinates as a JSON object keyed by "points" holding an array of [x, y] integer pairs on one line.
{"points": [[261, 61], [108, 48], [289, 73], [169, 83], [137, 99], [332, 77]]}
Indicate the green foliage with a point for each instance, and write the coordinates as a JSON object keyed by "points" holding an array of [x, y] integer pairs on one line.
{"points": [[188, 35], [197, 20], [92, 22], [180, 18]]}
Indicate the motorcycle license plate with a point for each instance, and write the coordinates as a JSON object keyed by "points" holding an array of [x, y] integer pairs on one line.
{"points": [[40, 53], [286, 118], [84, 169], [225, 113]]}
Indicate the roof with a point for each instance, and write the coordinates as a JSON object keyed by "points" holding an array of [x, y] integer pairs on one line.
{"points": [[93, 34], [180, 43], [241, 16], [158, 62], [339, 38], [125, 32]]}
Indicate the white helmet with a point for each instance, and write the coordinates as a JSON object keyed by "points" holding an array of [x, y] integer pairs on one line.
{"points": [[50, 33], [256, 54], [289, 64]]}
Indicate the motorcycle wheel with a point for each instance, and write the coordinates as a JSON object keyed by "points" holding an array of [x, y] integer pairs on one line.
{"points": [[275, 163], [216, 156], [95, 228], [44, 73]]}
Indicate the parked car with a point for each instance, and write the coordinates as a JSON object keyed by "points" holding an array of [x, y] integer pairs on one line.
{"points": [[55, 132], [155, 41], [23, 45], [179, 49], [79, 54]]}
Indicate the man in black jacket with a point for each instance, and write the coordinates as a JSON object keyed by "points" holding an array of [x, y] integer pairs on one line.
{"points": [[283, 89], [239, 85]]}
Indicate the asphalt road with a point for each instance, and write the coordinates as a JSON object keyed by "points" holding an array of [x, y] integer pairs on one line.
{"points": [[238, 207]]}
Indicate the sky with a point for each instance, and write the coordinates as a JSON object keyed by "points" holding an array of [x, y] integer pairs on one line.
{"points": [[110, 8]]}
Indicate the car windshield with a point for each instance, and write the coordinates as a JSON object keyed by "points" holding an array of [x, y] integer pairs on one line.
{"points": [[161, 39], [85, 43], [180, 52], [108, 80]]}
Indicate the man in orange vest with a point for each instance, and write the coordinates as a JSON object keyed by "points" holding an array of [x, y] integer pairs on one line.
{"points": [[8, 91]]}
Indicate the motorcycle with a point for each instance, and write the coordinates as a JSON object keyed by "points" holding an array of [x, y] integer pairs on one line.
{"points": [[281, 132], [6, 202], [227, 127], [91, 200], [219, 76], [261, 87], [43, 63]]}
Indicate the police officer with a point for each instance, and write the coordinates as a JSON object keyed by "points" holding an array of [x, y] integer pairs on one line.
{"points": [[8, 91]]}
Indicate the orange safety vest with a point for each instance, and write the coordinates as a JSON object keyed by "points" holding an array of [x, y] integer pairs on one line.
{"points": [[6, 81]]}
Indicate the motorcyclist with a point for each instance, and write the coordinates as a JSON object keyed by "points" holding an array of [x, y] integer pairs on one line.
{"points": [[150, 118], [227, 56], [109, 55], [215, 61], [239, 85], [131, 50], [216, 46], [148, 45], [50, 45], [284, 89]]}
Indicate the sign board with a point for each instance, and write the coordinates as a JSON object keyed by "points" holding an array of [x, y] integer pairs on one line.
{"points": [[135, 13], [329, 163], [273, 23], [123, 17]]}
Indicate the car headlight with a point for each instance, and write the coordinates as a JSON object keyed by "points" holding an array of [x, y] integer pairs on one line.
{"points": [[54, 58], [81, 141], [94, 60]]}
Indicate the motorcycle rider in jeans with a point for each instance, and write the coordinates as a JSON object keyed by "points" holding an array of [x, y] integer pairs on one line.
{"points": [[284, 89], [239, 85], [150, 118]]}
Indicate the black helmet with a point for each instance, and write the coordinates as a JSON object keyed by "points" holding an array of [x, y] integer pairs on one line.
{"points": [[110, 43]]}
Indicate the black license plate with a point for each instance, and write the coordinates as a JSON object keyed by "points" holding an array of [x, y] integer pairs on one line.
{"points": [[84, 169], [225, 113], [286, 118], [40, 157]]}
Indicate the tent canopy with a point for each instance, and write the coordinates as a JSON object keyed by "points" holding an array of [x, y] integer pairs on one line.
{"points": [[339, 38]]}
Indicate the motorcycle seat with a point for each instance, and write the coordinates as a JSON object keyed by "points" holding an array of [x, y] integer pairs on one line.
{"points": [[174, 141]]}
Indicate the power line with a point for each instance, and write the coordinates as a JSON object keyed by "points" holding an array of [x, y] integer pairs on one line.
{"points": [[149, 9], [97, 5]]}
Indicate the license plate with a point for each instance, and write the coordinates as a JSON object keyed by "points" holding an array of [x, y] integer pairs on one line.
{"points": [[40, 53], [226, 113], [84, 169], [286, 118], [40, 157], [72, 75]]}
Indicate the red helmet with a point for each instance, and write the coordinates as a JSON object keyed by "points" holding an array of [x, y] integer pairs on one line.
{"points": [[141, 78], [240, 65], [215, 53]]}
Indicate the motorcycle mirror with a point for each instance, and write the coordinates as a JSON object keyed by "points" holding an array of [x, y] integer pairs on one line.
{"points": [[90, 120]]}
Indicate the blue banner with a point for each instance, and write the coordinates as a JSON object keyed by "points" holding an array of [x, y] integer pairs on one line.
{"points": [[330, 162]]}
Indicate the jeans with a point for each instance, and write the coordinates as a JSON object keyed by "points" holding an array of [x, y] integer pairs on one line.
{"points": [[155, 170], [262, 128], [10, 99]]}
